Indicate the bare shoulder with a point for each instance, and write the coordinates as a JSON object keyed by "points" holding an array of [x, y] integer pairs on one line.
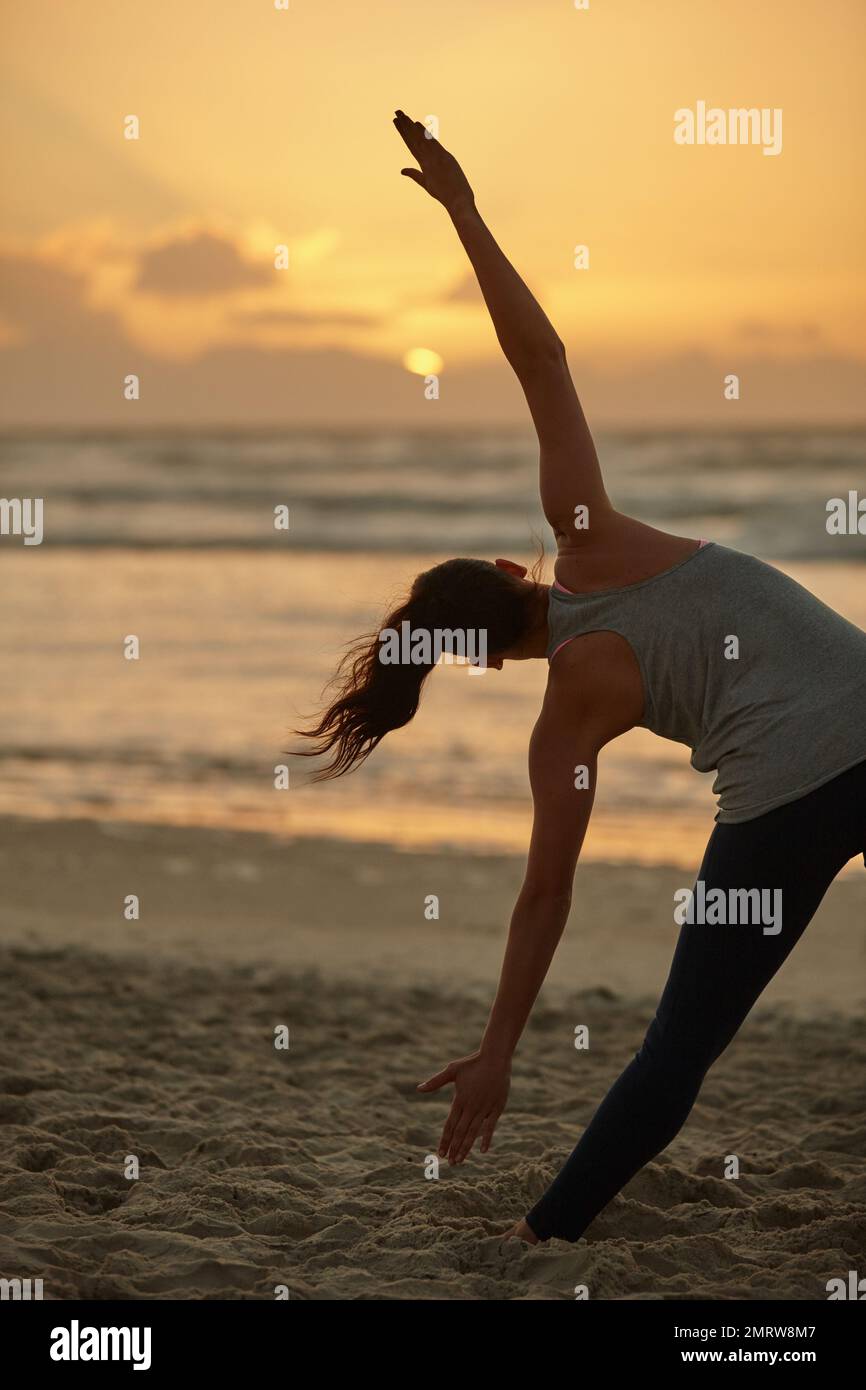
{"points": [[616, 552], [594, 685]]}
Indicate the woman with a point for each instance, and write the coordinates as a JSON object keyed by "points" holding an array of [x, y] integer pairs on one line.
{"points": [[690, 639]]}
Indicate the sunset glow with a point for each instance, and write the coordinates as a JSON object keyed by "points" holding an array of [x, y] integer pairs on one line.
{"points": [[261, 128], [422, 361]]}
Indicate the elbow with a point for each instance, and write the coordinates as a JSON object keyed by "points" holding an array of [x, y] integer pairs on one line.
{"points": [[552, 352], [536, 359], [555, 350], [547, 897]]}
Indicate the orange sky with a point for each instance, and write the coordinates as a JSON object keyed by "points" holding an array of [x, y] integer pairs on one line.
{"points": [[260, 127]]}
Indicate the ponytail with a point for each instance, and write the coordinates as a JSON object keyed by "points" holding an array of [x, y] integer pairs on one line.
{"points": [[369, 700], [370, 697]]}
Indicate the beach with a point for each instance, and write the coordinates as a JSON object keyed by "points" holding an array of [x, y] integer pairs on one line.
{"points": [[288, 440], [179, 897], [299, 1171]]}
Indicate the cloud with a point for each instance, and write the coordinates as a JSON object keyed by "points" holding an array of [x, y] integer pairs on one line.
{"points": [[199, 266], [465, 291], [67, 361], [31, 290], [46, 301], [304, 318], [765, 333]]}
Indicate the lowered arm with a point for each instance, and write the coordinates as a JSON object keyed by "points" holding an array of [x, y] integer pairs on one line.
{"points": [[575, 722]]}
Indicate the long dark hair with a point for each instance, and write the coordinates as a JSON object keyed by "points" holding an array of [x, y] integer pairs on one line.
{"points": [[370, 697]]}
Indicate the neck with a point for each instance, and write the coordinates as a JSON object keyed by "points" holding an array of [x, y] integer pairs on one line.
{"points": [[534, 644]]}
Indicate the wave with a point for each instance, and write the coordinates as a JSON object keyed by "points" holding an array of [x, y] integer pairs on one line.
{"points": [[351, 491]]}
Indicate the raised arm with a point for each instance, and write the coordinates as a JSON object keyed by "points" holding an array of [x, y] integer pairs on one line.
{"points": [[570, 475]]}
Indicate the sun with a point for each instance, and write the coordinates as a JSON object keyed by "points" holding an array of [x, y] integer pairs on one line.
{"points": [[423, 361]]}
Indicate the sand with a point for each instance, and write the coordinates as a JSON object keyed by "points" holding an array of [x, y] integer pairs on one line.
{"points": [[262, 1167]]}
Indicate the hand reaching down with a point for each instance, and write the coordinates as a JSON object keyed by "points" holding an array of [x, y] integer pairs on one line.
{"points": [[481, 1085]]}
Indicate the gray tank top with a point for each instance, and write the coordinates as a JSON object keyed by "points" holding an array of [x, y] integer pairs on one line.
{"points": [[775, 713]]}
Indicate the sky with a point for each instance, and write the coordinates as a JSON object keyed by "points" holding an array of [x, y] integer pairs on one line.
{"points": [[262, 127]]}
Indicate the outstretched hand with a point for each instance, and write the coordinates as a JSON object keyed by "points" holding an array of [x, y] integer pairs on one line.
{"points": [[440, 175], [481, 1086]]}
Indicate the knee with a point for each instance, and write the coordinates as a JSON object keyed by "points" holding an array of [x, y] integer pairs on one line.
{"points": [[677, 1053]]}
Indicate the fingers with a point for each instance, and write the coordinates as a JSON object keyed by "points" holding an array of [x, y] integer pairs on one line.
{"points": [[461, 1130], [463, 1136], [454, 1116], [487, 1131], [462, 1146], [416, 175], [407, 130], [470, 1114], [414, 134], [439, 1080]]}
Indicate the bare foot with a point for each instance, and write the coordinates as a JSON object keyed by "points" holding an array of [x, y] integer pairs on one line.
{"points": [[521, 1232]]}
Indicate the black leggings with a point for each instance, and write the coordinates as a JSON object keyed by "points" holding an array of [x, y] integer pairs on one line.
{"points": [[717, 974]]}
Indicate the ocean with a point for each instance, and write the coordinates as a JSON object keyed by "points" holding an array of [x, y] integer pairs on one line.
{"points": [[170, 538]]}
